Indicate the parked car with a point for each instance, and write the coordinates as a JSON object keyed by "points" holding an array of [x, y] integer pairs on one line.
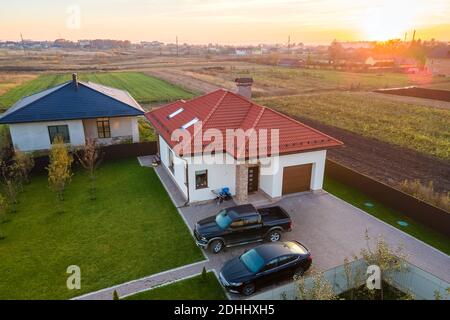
{"points": [[241, 224], [264, 265]]}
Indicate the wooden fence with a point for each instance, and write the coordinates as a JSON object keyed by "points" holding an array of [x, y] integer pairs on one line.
{"points": [[408, 205]]}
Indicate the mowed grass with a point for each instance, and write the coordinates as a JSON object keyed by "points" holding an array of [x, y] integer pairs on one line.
{"points": [[11, 80], [130, 231], [389, 215], [421, 128], [145, 89], [195, 288], [278, 81]]}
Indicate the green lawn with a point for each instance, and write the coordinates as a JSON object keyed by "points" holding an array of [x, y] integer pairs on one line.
{"points": [[382, 212], [195, 288], [143, 88], [421, 128], [132, 230]]}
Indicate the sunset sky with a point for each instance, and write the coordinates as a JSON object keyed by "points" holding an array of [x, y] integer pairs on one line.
{"points": [[225, 21]]}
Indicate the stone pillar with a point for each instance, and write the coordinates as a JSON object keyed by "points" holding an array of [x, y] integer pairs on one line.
{"points": [[241, 184]]}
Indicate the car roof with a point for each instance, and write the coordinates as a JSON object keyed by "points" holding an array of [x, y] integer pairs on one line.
{"points": [[270, 251]]}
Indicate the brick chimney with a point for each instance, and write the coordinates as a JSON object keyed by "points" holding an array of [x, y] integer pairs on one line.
{"points": [[75, 81], [244, 87]]}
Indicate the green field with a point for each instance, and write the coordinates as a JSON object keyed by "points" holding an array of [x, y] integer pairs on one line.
{"points": [[145, 89], [421, 128], [278, 81], [195, 288], [130, 231], [391, 216]]}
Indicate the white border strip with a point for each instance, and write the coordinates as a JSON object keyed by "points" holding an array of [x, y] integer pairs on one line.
{"points": [[159, 285], [137, 280]]}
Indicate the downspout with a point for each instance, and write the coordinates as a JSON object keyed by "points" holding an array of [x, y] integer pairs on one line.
{"points": [[187, 181]]}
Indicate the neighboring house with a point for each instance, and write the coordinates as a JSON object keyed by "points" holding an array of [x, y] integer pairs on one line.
{"points": [[75, 111], [438, 67], [302, 149]]}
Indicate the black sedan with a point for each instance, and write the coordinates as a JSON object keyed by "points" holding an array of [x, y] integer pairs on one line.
{"points": [[265, 265]]}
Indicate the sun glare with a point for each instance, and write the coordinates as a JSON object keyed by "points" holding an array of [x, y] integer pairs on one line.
{"points": [[389, 20]]}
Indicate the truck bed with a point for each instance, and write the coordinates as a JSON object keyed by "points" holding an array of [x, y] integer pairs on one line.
{"points": [[272, 214]]}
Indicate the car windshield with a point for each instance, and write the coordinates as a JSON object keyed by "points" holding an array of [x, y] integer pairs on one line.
{"points": [[223, 220], [252, 260]]}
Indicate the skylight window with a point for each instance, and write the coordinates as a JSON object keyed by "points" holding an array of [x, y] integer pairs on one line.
{"points": [[173, 114], [190, 123]]}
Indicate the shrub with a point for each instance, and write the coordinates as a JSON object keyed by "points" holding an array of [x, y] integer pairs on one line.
{"points": [[146, 132], [426, 193], [115, 295], [59, 169]]}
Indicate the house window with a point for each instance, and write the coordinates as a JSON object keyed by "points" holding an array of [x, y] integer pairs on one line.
{"points": [[59, 131], [201, 179], [103, 128], [171, 166]]}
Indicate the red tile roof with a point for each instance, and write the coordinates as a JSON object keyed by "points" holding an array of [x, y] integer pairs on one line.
{"points": [[222, 109]]}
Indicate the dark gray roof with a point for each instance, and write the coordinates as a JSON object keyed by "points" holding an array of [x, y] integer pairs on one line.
{"points": [[68, 101]]}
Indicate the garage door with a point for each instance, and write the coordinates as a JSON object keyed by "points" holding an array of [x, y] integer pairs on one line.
{"points": [[297, 178]]}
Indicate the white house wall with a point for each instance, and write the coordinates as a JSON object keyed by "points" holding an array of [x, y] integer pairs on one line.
{"points": [[179, 171], [219, 176], [120, 127], [33, 136], [272, 182], [224, 175]]}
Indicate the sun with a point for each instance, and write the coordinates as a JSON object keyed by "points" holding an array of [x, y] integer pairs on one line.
{"points": [[389, 21]]}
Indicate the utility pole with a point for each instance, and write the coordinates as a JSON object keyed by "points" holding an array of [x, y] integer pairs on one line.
{"points": [[289, 44], [414, 35], [23, 44], [406, 34], [177, 45]]}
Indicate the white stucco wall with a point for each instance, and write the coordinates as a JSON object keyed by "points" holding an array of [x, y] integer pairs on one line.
{"points": [[120, 127], [272, 182], [224, 175], [219, 176], [34, 135], [179, 166]]}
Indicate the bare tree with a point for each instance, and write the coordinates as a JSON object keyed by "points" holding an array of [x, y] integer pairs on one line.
{"points": [[25, 164], [383, 256], [4, 205], [11, 182], [90, 158], [320, 288]]}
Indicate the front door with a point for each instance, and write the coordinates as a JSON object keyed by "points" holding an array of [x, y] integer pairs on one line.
{"points": [[253, 179]]}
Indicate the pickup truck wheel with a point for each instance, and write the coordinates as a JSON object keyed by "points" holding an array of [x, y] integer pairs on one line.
{"points": [[216, 246], [274, 236], [249, 289]]}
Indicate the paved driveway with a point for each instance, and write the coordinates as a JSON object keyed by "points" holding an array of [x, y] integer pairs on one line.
{"points": [[332, 230]]}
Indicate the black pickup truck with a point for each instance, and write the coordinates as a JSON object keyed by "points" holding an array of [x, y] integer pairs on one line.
{"points": [[241, 224]]}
